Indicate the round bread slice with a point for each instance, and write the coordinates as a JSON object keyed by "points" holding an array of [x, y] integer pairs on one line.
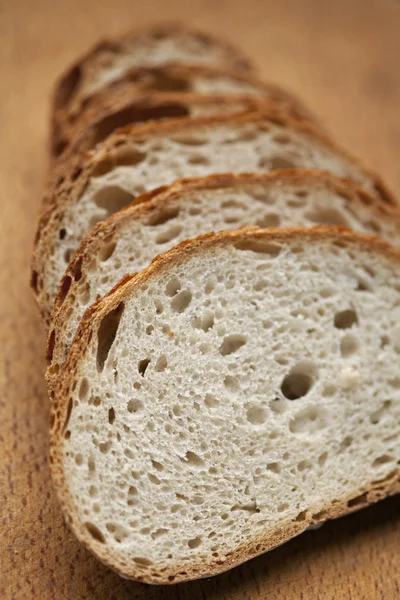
{"points": [[113, 102], [129, 240], [150, 46], [210, 403], [141, 158]]}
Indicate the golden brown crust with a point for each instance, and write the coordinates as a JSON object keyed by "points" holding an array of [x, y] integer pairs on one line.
{"points": [[172, 80], [360, 498], [71, 184]]}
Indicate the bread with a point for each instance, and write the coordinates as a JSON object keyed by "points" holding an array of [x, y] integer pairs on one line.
{"points": [[141, 158], [151, 46], [170, 80], [129, 239], [242, 388], [85, 135]]}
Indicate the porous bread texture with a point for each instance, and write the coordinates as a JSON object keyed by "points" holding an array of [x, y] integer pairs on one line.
{"points": [[129, 240], [156, 45], [168, 80], [240, 389], [144, 157]]}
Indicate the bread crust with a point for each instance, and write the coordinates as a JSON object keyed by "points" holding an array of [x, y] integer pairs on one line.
{"points": [[71, 184], [60, 409], [159, 199], [148, 82]]}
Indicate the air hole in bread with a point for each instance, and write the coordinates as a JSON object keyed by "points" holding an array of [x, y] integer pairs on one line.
{"points": [[106, 334], [328, 391], [322, 459], [84, 389], [62, 233], [304, 465], [346, 443], [205, 322], [376, 416], [161, 363], [231, 383], [79, 459], [198, 159], [153, 479], [306, 421], [383, 460], [299, 381], [95, 532], [68, 414], [194, 542], [173, 286], [211, 401], [50, 346], [107, 251], [259, 246], [111, 415], [169, 234], [181, 301], [142, 366], [158, 533], [189, 140], [276, 162], [256, 415], [282, 507], [346, 319], [93, 491], [281, 138], [274, 467], [358, 500], [112, 199], [163, 215], [193, 459], [157, 465], [142, 562], [167, 83], [327, 216], [348, 345], [232, 343], [136, 113], [269, 220], [302, 516], [68, 255], [64, 288]]}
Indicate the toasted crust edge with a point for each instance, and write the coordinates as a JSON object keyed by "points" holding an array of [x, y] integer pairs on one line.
{"points": [[361, 498]]}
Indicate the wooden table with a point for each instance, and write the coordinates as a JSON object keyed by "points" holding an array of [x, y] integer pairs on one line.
{"points": [[343, 58]]}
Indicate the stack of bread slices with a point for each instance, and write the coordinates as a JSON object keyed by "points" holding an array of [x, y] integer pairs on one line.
{"points": [[221, 286]]}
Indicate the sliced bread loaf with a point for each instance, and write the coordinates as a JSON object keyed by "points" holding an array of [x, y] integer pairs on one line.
{"points": [[155, 45], [143, 157], [209, 404], [129, 240], [172, 80]]}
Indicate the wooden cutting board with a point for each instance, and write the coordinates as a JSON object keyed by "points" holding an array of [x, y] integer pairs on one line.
{"points": [[341, 57]]}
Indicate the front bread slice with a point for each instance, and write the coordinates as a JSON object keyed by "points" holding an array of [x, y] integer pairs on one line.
{"points": [[146, 156], [129, 240], [240, 389]]}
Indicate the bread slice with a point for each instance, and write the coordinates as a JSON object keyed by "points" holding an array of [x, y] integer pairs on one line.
{"points": [[128, 241], [170, 80], [143, 157], [85, 135], [150, 46], [240, 389]]}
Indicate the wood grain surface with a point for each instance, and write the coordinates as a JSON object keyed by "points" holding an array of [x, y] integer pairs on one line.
{"points": [[342, 58]]}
